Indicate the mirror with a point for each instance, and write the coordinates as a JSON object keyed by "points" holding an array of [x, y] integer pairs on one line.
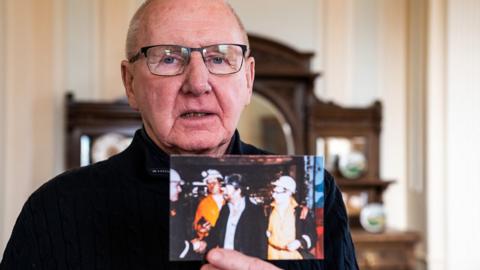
{"points": [[264, 126]]}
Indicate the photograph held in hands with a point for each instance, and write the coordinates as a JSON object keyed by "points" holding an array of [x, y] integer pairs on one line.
{"points": [[270, 207]]}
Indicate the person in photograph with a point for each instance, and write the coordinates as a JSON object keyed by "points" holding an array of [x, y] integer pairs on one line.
{"points": [[189, 72], [209, 207], [241, 225], [291, 227], [184, 246]]}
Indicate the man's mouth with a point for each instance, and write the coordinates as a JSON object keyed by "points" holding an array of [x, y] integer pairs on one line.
{"points": [[195, 114]]}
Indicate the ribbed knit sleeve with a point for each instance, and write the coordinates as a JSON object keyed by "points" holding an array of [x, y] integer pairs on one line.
{"points": [[339, 249], [22, 249]]}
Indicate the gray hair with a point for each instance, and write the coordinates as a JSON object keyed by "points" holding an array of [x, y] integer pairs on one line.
{"points": [[138, 19]]}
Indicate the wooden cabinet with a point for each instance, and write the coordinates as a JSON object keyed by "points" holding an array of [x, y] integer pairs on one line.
{"points": [[388, 250], [88, 121]]}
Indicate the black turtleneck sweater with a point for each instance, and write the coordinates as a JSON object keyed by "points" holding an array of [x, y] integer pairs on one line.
{"points": [[114, 215]]}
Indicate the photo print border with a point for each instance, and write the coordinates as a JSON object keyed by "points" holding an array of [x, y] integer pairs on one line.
{"points": [[202, 212]]}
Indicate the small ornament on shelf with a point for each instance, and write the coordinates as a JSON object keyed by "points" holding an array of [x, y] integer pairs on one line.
{"points": [[372, 218], [352, 165]]}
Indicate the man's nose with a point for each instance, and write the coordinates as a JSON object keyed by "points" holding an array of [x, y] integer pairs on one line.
{"points": [[196, 76]]}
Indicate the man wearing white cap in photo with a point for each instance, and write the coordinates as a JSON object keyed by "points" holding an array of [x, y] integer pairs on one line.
{"points": [[291, 230], [209, 207]]}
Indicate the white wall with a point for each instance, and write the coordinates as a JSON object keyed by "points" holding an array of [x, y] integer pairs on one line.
{"points": [[297, 25], [82, 56], [96, 45], [392, 90], [436, 137], [293, 24], [453, 132], [30, 107], [463, 133]]}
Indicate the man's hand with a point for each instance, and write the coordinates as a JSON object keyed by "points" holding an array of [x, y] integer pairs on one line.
{"points": [[199, 246], [294, 245], [222, 259]]}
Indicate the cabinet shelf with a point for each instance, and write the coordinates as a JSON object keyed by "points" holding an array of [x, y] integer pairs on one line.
{"points": [[377, 184]]}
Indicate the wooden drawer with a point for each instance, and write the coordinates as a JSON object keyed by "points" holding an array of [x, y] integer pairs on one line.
{"points": [[388, 250]]}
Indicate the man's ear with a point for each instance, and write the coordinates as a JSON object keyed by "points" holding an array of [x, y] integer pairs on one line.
{"points": [[250, 76], [127, 78]]}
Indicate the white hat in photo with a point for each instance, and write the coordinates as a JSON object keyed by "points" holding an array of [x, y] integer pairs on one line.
{"points": [[211, 174], [286, 182]]}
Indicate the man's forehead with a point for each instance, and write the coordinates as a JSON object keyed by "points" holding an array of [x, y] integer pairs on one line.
{"points": [[186, 22], [187, 6]]}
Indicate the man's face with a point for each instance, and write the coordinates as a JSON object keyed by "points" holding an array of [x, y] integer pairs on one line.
{"points": [[213, 186], [195, 112], [281, 195], [231, 193], [175, 190]]}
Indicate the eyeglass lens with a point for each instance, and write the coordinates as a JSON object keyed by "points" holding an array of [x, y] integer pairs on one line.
{"points": [[171, 60], [279, 190]]}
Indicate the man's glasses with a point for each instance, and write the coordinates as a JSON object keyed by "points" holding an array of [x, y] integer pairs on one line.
{"points": [[170, 60], [279, 190]]}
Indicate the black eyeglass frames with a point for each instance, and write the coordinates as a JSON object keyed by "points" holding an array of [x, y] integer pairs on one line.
{"points": [[171, 60]]}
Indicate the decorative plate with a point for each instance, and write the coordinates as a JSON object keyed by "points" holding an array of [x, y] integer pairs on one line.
{"points": [[352, 165], [372, 218], [108, 145]]}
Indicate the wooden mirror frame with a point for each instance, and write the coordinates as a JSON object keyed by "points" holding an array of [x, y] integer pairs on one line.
{"points": [[283, 76]]}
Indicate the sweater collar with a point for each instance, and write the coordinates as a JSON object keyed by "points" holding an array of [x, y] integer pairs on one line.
{"points": [[157, 162]]}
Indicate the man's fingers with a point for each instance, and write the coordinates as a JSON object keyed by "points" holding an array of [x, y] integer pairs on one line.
{"points": [[234, 260], [209, 267]]}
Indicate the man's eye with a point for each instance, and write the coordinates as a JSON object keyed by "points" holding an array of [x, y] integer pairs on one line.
{"points": [[168, 60], [218, 60]]}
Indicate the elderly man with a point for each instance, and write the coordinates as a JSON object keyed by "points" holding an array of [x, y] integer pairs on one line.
{"points": [[189, 74]]}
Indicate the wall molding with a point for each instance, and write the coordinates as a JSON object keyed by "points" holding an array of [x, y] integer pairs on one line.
{"points": [[436, 237], [416, 118], [59, 84], [3, 113]]}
